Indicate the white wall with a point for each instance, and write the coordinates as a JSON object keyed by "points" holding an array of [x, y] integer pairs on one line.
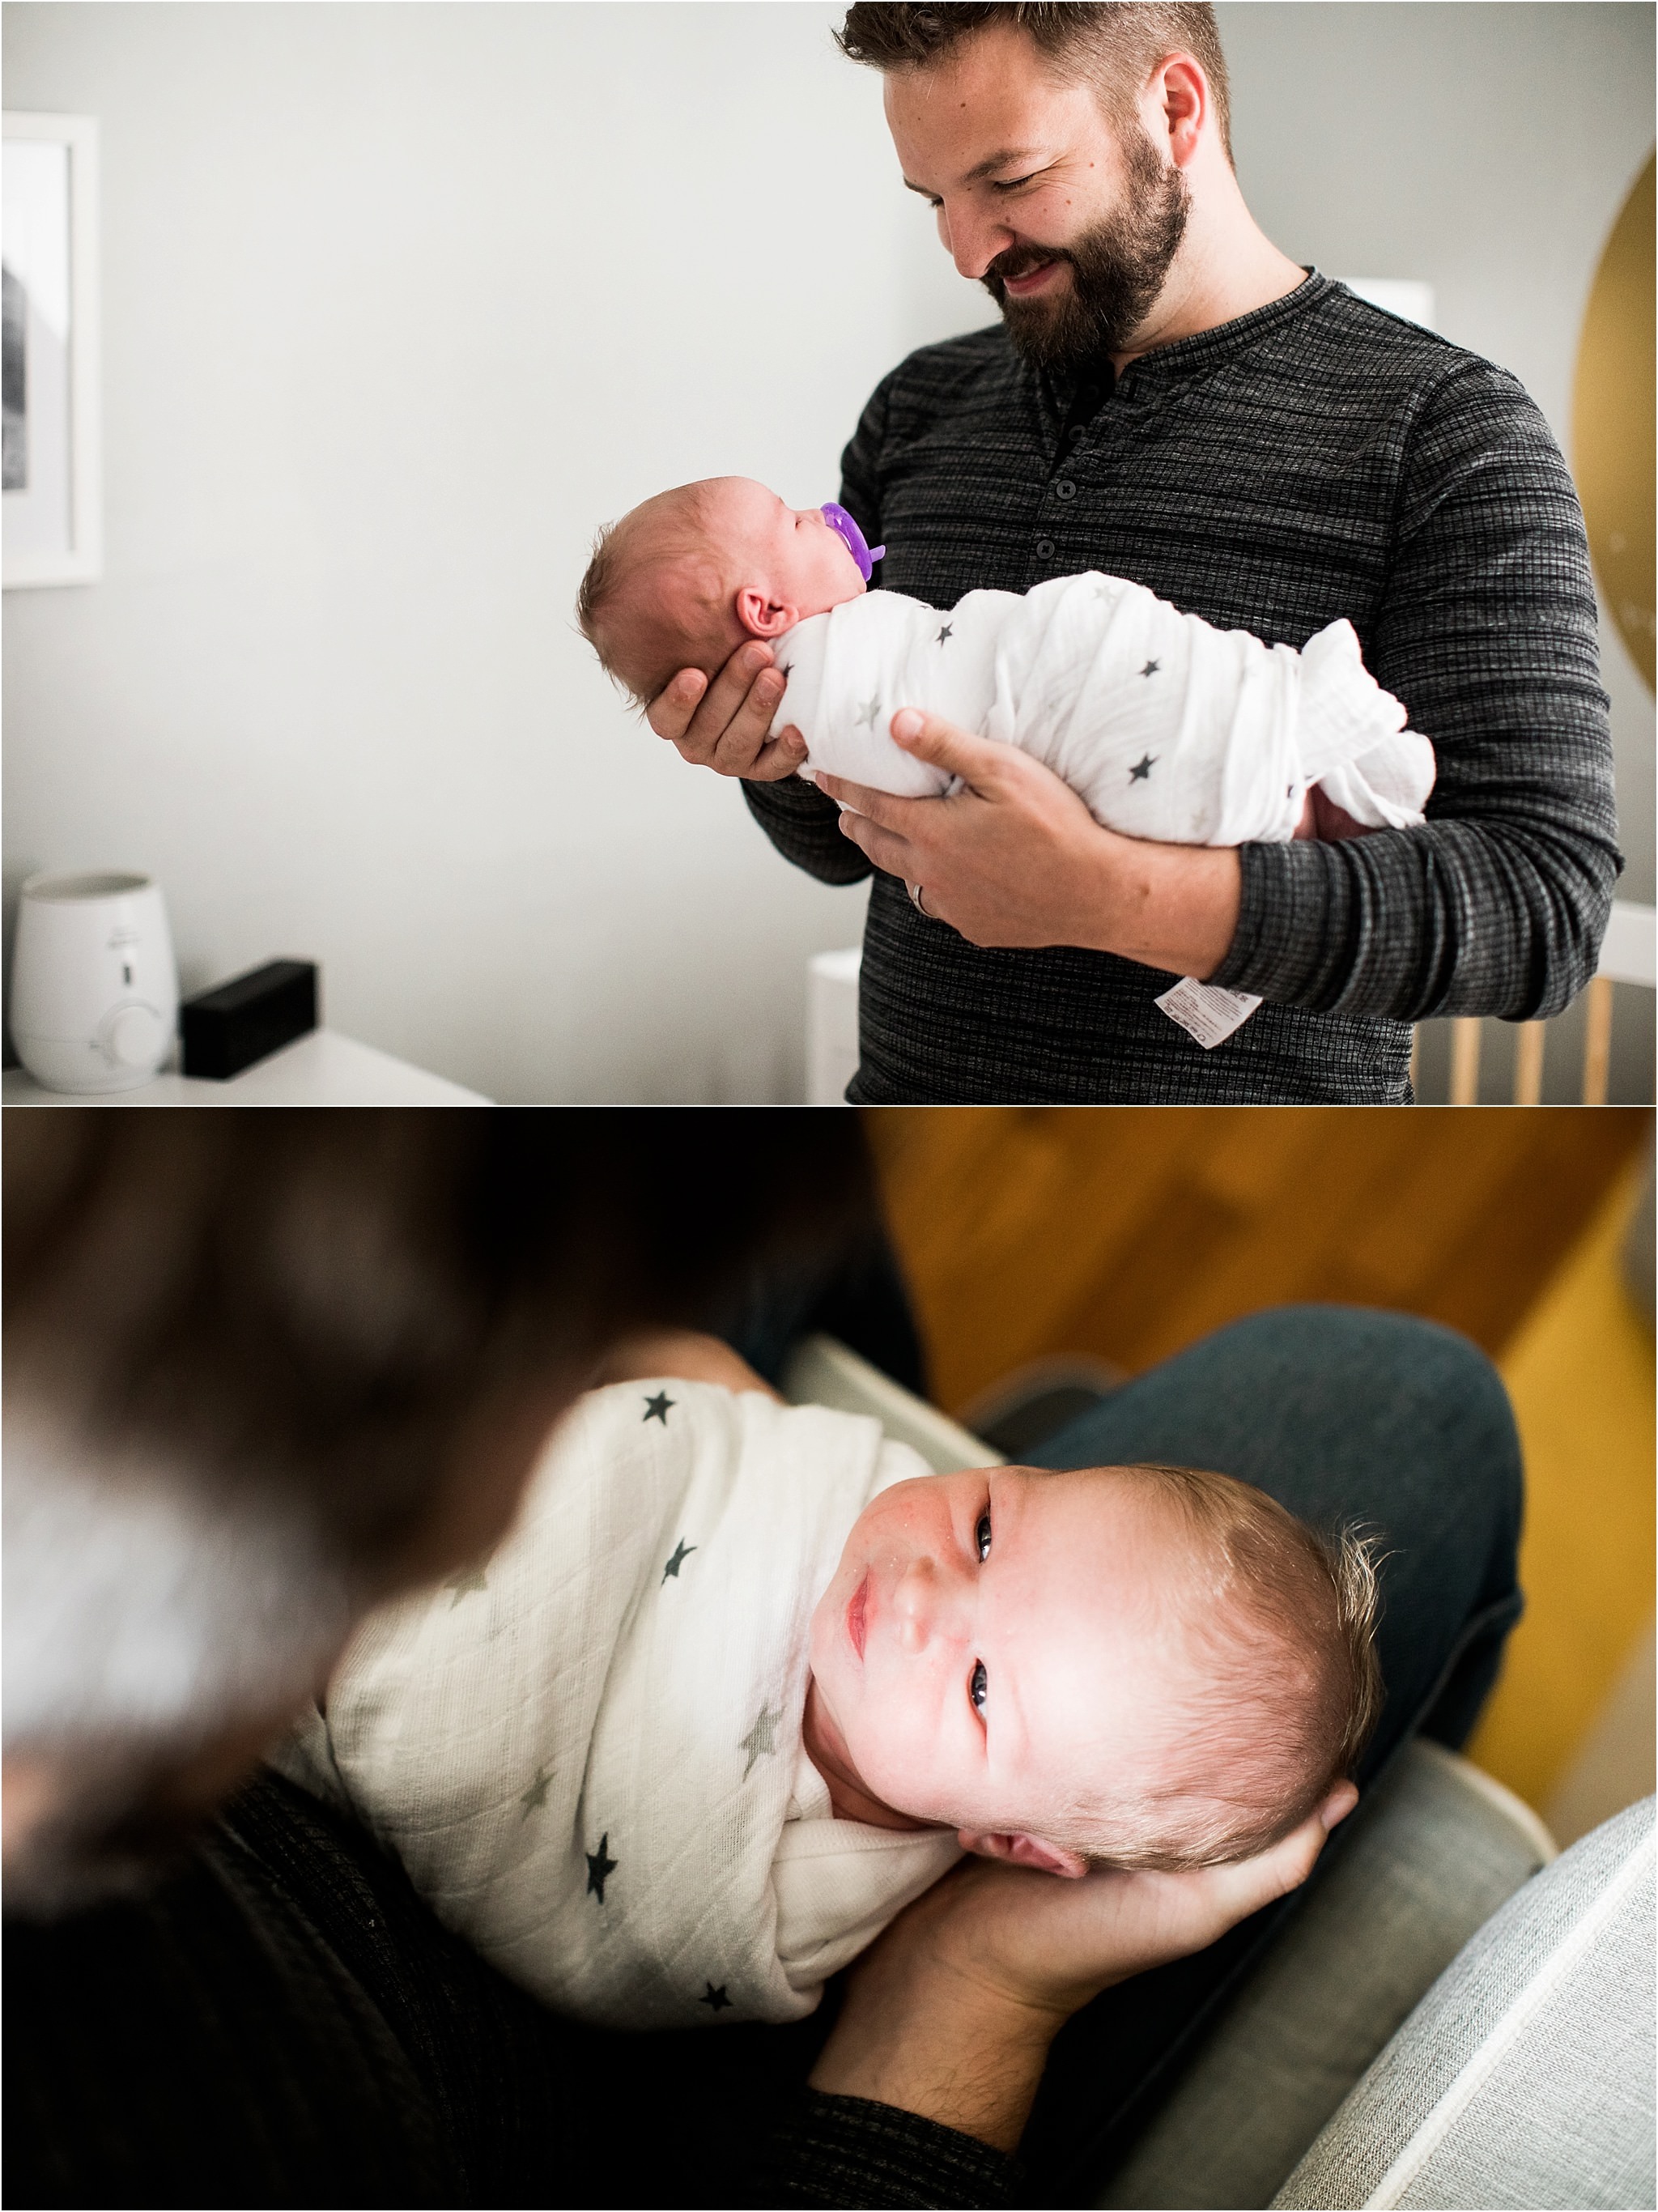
{"points": [[400, 302]]}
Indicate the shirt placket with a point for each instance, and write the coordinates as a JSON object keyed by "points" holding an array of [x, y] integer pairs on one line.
{"points": [[1082, 428]]}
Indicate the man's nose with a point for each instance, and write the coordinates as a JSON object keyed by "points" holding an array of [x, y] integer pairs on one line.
{"points": [[971, 239]]}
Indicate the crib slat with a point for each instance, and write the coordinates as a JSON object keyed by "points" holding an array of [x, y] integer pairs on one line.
{"points": [[1528, 1065], [1597, 1041], [1464, 1060]]}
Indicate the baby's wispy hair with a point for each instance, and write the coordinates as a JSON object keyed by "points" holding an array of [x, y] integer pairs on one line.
{"points": [[619, 606], [1283, 1687]]}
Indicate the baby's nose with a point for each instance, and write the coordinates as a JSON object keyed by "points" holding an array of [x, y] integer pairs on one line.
{"points": [[921, 1605]]}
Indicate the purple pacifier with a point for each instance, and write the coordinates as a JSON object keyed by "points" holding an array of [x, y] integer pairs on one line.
{"points": [[845, 528]]}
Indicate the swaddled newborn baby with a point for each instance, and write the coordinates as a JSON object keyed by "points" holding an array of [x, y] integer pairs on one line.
{"points": [[1166, 728], [747, 1677]]}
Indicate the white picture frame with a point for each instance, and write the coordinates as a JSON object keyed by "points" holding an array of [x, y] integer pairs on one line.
{"points": [[52, 495]]}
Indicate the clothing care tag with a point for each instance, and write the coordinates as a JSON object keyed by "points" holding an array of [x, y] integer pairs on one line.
{"points": [[1207, 1012]]}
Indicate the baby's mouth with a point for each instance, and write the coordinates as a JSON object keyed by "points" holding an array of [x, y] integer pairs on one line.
{"points": [[856, 1616]]}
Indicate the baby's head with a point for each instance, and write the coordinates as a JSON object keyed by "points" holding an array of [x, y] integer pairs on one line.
{"points": [[681, 581], [1149, 1666]]}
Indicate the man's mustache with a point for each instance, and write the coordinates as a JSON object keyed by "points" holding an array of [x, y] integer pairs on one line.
{"points": [[1019, 261]]}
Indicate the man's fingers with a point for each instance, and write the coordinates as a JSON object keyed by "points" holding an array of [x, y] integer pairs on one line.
{"points": [[1273, 1873], [729, 724], [892, 855], [881, 807], [778, 757], [930, 737], [670, 712]]}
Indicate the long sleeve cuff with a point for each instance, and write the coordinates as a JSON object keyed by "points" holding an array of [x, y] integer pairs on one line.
{"points": [[846, 2151], [1289, 907], [1380, 926]]}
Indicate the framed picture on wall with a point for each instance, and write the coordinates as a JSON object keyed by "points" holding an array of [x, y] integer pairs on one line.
{"points": [[52, 494]]}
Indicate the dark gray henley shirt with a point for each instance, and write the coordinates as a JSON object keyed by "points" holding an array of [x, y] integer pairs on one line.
{"points": [[1318, 457]]}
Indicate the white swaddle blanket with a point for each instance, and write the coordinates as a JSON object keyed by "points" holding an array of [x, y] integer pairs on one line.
{"points": [[586, 1752], [1166, 728]]}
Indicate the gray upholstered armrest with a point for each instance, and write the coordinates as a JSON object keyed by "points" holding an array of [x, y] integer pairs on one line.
{"points": [[1525, 2076]]}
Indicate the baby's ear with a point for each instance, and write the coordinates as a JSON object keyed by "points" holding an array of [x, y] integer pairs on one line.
{"points": [[763, 617], [1023, 1850]]}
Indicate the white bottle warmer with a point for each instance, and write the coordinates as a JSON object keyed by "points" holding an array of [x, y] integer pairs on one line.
{"points": [[94, 991]]}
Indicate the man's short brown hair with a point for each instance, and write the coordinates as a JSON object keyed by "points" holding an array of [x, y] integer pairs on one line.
{"points": [[1116, 46]]}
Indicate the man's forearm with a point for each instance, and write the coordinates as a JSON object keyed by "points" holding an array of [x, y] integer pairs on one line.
{"points": [[942, 2054], [1173, 907], [1454, 918]]}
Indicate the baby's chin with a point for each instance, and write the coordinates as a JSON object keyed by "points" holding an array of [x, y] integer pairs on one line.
{"points": [[854, 590]]}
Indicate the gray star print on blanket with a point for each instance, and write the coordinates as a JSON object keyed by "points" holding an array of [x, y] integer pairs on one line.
{"points": [[600, 1867], [484, 1743], [1088, 674], [761, 1738]]}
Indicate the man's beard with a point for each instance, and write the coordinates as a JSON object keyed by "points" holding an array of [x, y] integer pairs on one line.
{"points": [[1117, 271]]}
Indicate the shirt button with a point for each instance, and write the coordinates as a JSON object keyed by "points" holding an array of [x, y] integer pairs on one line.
{"points": [[1045, 549], [1067, 490]]}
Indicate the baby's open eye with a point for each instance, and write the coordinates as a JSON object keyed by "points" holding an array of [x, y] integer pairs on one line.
{"points": [[978, 1685], [981, 1534]]}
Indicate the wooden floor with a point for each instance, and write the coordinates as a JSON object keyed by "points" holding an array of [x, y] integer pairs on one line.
{"points": [[1579, 1373], [1128, 1232]]}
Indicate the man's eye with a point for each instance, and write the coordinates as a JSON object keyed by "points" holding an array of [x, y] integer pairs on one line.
{"points": [[978, 1685], [982, 1535], [1013, 184]]}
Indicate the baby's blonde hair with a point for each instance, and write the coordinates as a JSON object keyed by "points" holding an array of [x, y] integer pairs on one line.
{"points": [[1282, 1686], [621, 607]]}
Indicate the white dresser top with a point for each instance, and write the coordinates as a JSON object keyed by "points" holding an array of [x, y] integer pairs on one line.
{"points": [[320, 1069]]}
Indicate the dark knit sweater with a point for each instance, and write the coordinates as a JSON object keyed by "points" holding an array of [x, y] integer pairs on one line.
{"points": [[284, 2023], [1314, 459]]}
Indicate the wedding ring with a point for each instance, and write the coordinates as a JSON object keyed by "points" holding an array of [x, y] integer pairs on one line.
{"points": [[914, 891]]}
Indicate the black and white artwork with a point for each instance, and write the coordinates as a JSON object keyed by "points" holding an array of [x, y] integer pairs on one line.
{"points": [[48, 366], [14, 381]]}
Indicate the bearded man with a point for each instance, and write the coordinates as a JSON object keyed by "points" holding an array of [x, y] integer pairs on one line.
{"points": [[1170, 398]]}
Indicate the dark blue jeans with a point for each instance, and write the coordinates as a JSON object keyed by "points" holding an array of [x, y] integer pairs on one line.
{"points": [[1343, 1415]]}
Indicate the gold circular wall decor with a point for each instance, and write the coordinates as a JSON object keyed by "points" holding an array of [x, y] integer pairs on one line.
{"points": [[1613, 417]]}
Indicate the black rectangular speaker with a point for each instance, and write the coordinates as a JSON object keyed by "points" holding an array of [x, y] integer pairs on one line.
{"points": [[228, 1028]]}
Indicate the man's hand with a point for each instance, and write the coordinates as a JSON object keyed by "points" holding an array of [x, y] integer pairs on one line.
{"points": [[723, 725], [1014, 858], [952, 2013], [685, 1352]]}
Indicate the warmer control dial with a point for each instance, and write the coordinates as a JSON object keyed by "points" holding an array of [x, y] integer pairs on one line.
{"points": [[131, 1036]]}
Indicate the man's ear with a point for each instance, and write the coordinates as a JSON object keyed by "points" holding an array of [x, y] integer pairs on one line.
{"points": [[1023, 1850], [763, 617], [1184, 107]]}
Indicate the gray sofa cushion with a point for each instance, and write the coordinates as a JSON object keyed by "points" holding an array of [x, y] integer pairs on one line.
{"points": [[1434, 1850], [1525, 2077]]}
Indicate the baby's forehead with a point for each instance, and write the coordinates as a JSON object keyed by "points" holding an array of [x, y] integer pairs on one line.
{"points": [[687, 519]]}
